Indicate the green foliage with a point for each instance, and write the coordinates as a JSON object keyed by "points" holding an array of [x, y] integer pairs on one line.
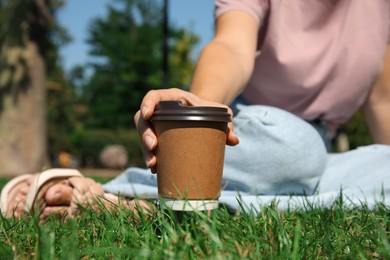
{"points": [[26, 22], [181, 67], [63, 106], [13, 55], [19, 27], [127, 47], [62, 113], [318, 233], [88, 143]]}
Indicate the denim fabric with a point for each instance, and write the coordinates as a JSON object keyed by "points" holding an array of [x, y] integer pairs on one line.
{"points": [[318, 124], [278, 153], [323, 131], [282, 160]]}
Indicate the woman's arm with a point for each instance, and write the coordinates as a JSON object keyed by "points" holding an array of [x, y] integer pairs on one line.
{"points": [[226, 63], [223, 69], [377, 107]]}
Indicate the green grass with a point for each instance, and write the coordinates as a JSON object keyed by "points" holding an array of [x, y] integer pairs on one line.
{"points": [[312, 234]]}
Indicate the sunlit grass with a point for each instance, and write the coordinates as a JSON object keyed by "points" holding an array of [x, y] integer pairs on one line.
{"points": [[313, 234]]}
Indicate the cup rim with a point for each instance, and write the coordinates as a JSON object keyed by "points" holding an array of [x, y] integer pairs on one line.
{"points": [[176, 111]]}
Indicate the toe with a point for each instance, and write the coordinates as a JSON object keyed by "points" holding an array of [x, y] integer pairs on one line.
{"points": [[59, 194], [86, 190], [16, 195], [54, 210]]}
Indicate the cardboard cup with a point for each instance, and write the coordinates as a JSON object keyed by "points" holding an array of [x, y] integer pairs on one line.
{"points": [[190, 155]]}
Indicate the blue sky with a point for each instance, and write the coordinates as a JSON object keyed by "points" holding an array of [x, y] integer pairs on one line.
{"points": [[197, 15]]}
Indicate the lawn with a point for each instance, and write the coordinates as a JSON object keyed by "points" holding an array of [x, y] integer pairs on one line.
{"points": [[312, 234]]}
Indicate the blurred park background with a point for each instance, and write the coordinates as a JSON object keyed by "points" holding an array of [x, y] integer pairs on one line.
{"points": [[64, 107]]}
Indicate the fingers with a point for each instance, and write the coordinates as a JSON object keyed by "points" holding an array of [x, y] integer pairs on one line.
{"points": [[142, 117], [231, 137], [153, 97], [150, 101], [149, 140]]}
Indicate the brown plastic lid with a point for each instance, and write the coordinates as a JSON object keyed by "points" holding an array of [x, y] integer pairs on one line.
{"points": [[175, 110]]}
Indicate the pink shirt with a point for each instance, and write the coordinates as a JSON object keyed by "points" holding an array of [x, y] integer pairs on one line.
{"points": [[316, 59]]}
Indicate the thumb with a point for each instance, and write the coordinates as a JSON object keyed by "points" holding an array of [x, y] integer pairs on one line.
{"points": [[231, 137]]}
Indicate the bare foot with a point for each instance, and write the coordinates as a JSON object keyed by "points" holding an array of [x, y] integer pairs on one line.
{"points": [[64, 196]]}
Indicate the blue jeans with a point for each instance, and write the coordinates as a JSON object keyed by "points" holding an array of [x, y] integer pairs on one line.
{"points": [[278, 153], [282, 158], [318, 124]]}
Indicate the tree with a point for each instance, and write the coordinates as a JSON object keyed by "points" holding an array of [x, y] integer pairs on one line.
{"points": [[25, 49], [127, 46], [181, 67]]}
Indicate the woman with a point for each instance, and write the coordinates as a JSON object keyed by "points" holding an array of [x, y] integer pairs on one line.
{"points": [[289, 68]]}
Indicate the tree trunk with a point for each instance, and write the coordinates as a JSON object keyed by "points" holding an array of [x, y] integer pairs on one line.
{"points": [[23, 147]]}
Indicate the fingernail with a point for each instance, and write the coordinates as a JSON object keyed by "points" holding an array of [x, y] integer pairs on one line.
{"points": [[149, 141], [148, 160], [144, 111]]}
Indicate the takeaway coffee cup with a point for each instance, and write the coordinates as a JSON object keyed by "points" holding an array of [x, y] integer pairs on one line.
{"points": [[190, 153]]}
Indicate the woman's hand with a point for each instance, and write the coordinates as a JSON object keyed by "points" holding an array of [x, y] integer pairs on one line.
{"points": [[150, 101]]}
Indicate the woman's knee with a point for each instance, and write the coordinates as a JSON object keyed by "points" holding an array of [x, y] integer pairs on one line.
{"points": [[275, 147]]}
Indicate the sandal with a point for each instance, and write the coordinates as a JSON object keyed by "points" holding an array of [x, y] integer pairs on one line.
{"points": [[10, 190]]}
